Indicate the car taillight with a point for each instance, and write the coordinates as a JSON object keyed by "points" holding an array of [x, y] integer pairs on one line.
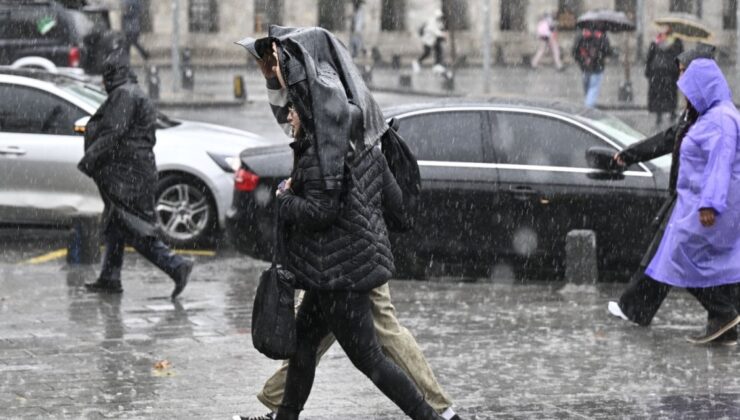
{"points": [[74, 57], [245, 180]]}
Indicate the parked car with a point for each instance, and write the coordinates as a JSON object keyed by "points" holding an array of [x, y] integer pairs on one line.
{"points": [[501, 180], [45, 34], [39, 152]]}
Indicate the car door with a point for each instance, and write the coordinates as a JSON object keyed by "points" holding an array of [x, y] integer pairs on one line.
{"points": [[38, 158], [458, 181], [547, 189]]}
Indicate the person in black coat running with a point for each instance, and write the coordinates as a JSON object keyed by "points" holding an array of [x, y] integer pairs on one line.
{"points": [[119, 140], [641, 300]]}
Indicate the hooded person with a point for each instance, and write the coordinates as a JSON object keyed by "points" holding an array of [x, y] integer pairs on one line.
{"points": [[700, 249], [332, 211], [119, 157], [643, 297]]}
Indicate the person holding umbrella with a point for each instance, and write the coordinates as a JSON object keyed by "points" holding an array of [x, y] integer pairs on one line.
{"points": [[662, 74], [590, 51]]}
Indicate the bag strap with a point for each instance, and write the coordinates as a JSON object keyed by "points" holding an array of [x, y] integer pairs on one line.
{"points": [[278, 253]]}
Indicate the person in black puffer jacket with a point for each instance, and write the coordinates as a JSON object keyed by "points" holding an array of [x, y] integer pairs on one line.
{"points": [[338, 249]]}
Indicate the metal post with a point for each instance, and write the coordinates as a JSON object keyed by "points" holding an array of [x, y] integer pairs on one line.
{"points": [[486, 46], [175, 45], [640, 28]]}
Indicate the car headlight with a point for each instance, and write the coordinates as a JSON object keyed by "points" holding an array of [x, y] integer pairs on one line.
{"points": [[228, 163]]}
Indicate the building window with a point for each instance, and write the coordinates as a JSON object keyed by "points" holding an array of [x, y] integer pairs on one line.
{"points": [[629, 7], [729, 14], [203, 16], [332, 14], [686, 6], [266, 13], [146, 16], [513, 15], [392, 15], [568, 12]]}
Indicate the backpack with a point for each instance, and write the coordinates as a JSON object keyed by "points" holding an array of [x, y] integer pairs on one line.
{"points": [[403, 165]]}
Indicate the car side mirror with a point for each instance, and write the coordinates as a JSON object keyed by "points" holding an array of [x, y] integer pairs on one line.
{"points": [[602, 158], [81, 125]]}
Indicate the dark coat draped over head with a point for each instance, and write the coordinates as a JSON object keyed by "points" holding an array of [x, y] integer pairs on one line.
{"points": [[327, 89], [119, 140]]}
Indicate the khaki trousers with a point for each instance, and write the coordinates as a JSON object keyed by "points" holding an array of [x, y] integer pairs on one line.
{"points": [[396, 342]]}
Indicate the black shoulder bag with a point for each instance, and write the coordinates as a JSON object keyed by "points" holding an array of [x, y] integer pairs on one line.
{"points": [[273, 314]]}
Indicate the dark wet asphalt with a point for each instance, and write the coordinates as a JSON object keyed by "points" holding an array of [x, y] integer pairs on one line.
{"points": [[502, 349]]}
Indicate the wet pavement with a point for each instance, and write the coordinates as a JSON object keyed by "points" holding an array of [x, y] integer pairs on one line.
{"points": [[503, 349]]}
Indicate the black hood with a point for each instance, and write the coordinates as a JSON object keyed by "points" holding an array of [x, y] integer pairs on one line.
{"points": [[701, 50], [334, 98], [116, 70]]}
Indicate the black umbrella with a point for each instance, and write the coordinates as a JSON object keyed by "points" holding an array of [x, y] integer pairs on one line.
{"points": [[608, 20]]}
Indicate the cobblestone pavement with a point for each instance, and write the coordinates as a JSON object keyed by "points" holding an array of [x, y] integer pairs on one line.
{"points": [[503, 349]]}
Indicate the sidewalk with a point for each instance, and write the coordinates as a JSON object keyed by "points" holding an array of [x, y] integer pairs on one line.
{"points": [[502, 350]]}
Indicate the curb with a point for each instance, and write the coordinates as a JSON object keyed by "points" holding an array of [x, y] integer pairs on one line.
{"points": [[200, 103]]}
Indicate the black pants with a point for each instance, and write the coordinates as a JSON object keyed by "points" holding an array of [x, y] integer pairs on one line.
{"points": [[347, 315], [437, 52], [154, 250], [132, 40]]}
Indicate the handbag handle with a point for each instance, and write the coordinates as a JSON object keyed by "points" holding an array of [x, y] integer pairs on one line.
{"points": [[278, 251]]}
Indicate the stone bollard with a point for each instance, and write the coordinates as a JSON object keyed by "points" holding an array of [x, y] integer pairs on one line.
{"points": [[580, 257], [404, 80], [153, 82], [84, 245]]}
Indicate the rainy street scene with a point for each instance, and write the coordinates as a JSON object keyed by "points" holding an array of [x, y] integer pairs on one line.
{"points": [[369, 209]]}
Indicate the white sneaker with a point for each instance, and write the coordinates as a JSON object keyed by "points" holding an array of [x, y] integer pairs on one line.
{"points": [[416, 66], [438, 68], [615, 310]]}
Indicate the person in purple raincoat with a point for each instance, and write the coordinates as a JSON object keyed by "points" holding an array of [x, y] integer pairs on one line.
{"points": [[701, 246]]}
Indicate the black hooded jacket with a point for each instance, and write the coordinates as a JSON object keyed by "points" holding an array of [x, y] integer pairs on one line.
{"points": [[119, 140]]}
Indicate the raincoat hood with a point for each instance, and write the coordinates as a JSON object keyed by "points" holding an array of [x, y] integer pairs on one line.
{"points": [[704, 85], [116, 70], [328, 92]]}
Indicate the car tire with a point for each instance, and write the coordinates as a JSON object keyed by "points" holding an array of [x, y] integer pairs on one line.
{"points": [[186, 213]]}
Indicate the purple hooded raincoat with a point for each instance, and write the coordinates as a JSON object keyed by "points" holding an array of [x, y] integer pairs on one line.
{"points": [[691, 255]]}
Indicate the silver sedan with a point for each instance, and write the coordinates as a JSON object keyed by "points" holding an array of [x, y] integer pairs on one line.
{"points": [[39, 150]]}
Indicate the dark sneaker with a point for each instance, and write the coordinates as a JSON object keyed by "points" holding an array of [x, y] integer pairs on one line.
{"points": [[455, 417], [268, 416], [715, 328], [104, 286], [181, 277]]}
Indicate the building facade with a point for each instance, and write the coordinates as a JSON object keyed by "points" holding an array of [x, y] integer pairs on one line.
{"points": [[209, 27]]}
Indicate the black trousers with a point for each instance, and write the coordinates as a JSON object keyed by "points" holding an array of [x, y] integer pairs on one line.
{"points": [[437, 52], [347, 315], [117, 235], [132, 40]]}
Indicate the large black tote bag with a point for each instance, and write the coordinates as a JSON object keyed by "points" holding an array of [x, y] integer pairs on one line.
{"points": [[273, 313]]}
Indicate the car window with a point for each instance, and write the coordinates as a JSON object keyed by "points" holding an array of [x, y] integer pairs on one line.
{"points": [[28, 110], [32, 23], [453, 136], [527, 139]]}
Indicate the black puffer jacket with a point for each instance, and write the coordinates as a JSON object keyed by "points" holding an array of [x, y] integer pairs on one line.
{"points": [[337, 239]]}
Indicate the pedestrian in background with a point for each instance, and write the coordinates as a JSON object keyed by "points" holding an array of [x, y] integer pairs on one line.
{"points": [[433, 34], [590, 50], [356, 43], [548, 39], [119, 157], [662, 74], [700, 249], [131, 11]]}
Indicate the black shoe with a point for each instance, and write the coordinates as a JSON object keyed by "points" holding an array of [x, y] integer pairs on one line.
{"points": [[715, 328], [105, 286], [455, 417], [181, 277], [268, 416]]}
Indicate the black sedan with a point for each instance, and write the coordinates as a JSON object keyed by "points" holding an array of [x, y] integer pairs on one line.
{"points": [[501, 181]]}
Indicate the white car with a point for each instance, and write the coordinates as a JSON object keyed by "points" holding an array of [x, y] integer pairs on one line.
{"points": [[39, 150]]}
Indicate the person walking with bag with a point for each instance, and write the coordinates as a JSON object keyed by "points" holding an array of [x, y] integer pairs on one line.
{"points": [[548, 38], [700, 249], [119, 140], [590, 50], [337, 242]]}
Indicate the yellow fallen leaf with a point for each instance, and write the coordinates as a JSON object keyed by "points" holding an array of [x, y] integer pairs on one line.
{"points": [[162, 365]]}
